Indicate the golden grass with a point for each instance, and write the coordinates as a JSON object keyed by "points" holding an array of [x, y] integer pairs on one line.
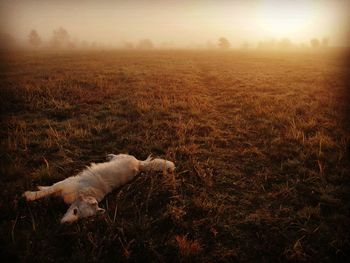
{"points": [[260, 141]]}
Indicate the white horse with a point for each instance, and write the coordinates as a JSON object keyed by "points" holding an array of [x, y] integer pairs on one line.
{"points": [[85, 190]]}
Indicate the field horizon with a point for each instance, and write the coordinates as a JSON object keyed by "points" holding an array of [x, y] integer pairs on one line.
{"points": [[260, 140]]}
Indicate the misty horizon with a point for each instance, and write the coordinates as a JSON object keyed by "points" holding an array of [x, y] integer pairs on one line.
{"points": [[178, 25]]}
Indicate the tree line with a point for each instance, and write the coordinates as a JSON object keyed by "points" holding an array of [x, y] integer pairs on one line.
{"points": [[61, 39]]}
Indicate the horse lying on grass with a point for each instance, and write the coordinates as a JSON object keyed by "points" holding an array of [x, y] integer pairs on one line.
{"points": [[85, 190]]}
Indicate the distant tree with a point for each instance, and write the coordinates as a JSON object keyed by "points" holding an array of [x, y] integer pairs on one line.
{"points": [[127, 45], [145, 44], [315, 43], [60, 38], [302, 45], [84, 44], [269, 44], [325, 42], [94, 45], [224, 43], [261, 45], [34, 39], [245, 45], [285, 43]]}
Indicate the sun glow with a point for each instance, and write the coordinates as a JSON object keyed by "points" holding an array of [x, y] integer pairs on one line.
{"points": [[285, 18]]}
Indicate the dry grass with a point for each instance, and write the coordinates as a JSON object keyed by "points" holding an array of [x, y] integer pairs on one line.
{"points": [[260, 142]]}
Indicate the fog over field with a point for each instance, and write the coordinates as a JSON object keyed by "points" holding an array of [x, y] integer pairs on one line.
{"points": [[178, 24]]}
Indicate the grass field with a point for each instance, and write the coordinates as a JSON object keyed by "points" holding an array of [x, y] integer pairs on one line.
{"points": [[260, 141]]}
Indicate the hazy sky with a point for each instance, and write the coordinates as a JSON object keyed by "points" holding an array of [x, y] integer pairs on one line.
{"points": [[180, 22]]}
